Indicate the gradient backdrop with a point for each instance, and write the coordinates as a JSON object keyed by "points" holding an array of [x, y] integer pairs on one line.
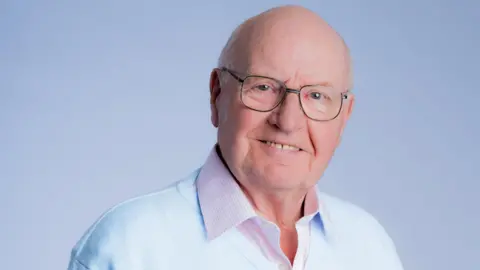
{"points": [[104, 100]]}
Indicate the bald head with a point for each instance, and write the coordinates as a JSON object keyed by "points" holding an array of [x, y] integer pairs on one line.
{"points": [[291, 31]]}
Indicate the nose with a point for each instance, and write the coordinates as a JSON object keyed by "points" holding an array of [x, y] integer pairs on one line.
{"points": [[288, 116]]}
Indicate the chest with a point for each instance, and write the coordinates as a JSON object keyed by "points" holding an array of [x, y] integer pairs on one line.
{"points": [[236, 252]]}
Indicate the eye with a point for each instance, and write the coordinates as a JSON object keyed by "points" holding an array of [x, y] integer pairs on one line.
{"points": [[318, 95], [263, 87]]}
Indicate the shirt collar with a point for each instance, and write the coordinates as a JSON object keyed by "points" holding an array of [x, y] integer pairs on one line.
{"points": [[223, 203]]}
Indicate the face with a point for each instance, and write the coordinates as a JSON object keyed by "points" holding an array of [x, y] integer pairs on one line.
{"points": [[249, 139]]}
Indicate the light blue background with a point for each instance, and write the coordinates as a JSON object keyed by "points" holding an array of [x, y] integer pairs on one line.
{"points": [[104, 100]]}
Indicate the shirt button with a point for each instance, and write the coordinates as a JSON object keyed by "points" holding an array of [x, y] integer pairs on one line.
{"points": [[283, 267]]}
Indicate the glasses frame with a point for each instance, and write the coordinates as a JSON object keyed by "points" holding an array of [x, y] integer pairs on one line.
{"points": [[344, 95]]}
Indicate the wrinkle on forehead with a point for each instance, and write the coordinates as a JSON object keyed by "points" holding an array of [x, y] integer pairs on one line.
{"points": [[283, 37]]}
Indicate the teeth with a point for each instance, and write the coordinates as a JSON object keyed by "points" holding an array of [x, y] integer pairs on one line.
{"points": [[282, 146]]}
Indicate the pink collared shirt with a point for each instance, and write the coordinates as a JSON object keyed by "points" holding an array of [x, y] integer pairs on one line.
{"points": [[224, 206]]}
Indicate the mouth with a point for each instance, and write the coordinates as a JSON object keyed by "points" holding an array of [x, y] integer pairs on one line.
{"points": [[281, 146]]}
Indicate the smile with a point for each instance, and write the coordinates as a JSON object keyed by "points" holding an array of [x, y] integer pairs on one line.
{"points": [[281, 146]]}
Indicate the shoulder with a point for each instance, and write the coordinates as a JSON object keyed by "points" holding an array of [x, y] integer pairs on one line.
{"points": [[341, 211], [360, 232], [130, 226]]}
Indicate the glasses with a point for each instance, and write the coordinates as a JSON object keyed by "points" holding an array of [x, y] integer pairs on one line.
{"points": [[263, 94]]}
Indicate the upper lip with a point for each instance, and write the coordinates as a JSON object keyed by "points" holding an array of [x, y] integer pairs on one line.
{"points": [[282, 142]]}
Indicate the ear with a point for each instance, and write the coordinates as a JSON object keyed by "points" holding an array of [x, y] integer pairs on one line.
{"points": [[350, 101], [214, 93], [347, 109]]}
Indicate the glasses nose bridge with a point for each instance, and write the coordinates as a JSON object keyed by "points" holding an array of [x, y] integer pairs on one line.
{"points": [[293, 91]]}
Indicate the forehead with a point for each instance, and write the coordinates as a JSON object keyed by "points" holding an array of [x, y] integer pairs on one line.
{"points": [[298, 59]]}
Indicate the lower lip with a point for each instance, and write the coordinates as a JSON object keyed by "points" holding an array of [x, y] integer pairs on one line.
{"points": [[272, 150]]}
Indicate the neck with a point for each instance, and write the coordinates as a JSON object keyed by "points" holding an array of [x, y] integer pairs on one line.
{"points": [[283, 208]]}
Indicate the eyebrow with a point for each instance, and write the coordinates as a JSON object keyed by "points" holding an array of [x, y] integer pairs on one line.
{"points": [[321, 83], [249, 72]]}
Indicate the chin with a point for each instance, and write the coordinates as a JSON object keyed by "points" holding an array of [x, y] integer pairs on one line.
{"points": [[284, 184], [276, 176]]}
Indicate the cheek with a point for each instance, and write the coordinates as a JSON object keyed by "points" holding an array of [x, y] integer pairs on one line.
{"points": [[237, 124], [243, 129], [235, 138], [241, 120], [325, 139], [249, 120]]}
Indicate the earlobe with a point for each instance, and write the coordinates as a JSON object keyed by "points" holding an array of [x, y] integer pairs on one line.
{"points": [[214, 93]]}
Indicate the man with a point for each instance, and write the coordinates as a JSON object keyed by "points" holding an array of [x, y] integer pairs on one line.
{"points": [[280, 99]]}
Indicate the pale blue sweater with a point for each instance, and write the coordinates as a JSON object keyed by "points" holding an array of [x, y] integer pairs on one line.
{"points": [[165, 230]]}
